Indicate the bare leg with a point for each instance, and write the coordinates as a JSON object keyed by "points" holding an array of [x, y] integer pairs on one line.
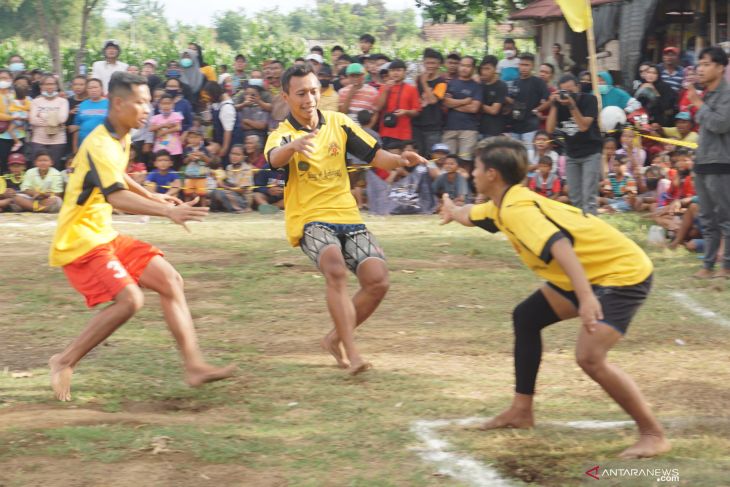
{"points": [[162, 278], [374, 284], [685, 226], [591, 352], [340, 306], [520, 413], [101, 326]]}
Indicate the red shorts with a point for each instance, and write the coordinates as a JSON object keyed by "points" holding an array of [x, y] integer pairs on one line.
{"points": [[102, 273]]}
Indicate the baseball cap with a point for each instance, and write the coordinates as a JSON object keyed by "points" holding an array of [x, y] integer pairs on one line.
{"points": [[150, 61], [440, 148], [671, 49], [111, 42], [355, 68], [314, 57], [16, 158], [683, 116]]}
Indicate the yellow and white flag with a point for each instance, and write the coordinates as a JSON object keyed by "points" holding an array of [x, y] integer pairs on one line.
{"points": [[577, 13]]}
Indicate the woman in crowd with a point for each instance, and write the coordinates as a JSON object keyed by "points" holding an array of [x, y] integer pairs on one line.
{"points": [[174, 88], [191, 74], [657, 97], [7, 97], [227, 129], [48, 116], [91, 113]]}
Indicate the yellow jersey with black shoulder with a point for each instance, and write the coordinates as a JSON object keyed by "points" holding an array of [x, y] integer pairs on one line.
{"points": [[85, 220], [532, 223], [318, 187]]}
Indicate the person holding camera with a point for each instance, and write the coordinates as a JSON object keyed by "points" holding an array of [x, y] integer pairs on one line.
{"points": [[399, 103], [575, 115]]}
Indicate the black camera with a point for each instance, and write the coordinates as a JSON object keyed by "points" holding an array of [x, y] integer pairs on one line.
{"points": [[390, 120], [563, 94]]}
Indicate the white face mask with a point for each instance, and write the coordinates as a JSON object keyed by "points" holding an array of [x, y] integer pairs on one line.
{"points": [[509, 54], [4, 85]]}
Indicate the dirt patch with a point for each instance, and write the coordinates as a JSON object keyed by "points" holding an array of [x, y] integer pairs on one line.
{"points": [[450, 261], [163, 413], [161, 471]]}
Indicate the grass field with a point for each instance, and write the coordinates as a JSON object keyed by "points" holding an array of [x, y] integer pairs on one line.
{"points": [[441, 345]]}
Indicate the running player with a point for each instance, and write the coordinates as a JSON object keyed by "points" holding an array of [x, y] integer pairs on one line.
{"points": [[102, 264], [322, 215], [592, 270]]}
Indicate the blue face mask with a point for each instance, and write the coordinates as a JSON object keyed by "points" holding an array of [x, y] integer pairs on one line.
{"points": [[186, 63], [16, 67], [172, 73], [604, 89]]}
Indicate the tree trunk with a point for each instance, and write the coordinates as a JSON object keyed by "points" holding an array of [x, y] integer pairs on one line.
{"points": [[88, 7], [52, 37]]}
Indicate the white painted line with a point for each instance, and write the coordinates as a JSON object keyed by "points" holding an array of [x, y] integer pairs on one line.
{"points": [[462, 467], [459, 466], [700, 310]]}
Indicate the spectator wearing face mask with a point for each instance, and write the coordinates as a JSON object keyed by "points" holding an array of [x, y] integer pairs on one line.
{"points": [[149, 68], [16, 65], [191, 75], [48, 116], [174, 88], [103, 70], [509, 67]]}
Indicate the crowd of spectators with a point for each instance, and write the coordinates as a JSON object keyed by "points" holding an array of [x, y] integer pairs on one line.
{"points": [[208, 126]]}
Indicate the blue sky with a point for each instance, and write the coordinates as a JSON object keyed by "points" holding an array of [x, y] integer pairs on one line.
{"points": [[190, 11]]}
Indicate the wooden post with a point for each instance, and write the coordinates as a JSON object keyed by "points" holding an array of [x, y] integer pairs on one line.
{"points": [[593, 61]]}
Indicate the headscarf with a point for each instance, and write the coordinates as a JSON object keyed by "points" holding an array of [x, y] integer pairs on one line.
{"points": [[192, 76], [615, 97]]}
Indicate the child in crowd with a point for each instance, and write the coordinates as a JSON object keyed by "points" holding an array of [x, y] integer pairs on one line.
{"points": [[451, 182], [42, 186], [162, 180], [546, 182], [689, 233], [167, 126], [608, 156], [235, 195], [20, 108], [196, 167], [157, 96], [619, 190], [136, 170], [214, 152], [648, 184], [12, 182], [631, 148], [677, 195]]}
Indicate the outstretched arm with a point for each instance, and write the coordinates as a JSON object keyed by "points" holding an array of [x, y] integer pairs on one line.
{"points": [[130, 202], [450, 212], [387, 160]]}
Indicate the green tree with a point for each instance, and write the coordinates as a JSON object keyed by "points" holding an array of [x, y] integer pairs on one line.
{"points": [[461, 11], [228, 27]]}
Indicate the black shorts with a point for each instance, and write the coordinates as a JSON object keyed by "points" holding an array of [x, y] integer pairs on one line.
{"points": [[619, 303], [356, 243]]}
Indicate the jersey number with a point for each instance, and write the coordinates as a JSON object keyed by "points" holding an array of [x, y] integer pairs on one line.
{"points": [[116, 266]]}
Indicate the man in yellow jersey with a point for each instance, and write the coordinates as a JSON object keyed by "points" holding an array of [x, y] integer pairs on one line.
{"points": [[592, 271], [322, 215], [102, 264]]}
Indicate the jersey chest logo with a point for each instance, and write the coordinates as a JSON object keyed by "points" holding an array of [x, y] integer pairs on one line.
{"points": [[334, 149]]}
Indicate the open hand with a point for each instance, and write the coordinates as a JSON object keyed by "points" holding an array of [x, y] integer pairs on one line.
{"points": [[447, 209], [412, 158], [186, 212], [165, 198], [305, 145]]}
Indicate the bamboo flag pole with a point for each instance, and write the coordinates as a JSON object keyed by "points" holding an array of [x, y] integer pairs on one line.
{"points": [[593, 60]]}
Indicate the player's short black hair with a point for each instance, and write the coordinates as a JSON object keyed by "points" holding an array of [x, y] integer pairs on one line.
{"points": [[505, 155], [552, 68], [367, 38], [454, 55], [240, 57], [430, 53], [568, 77], [473, 59], [122, 82], [716, 54], [364, 117], [509, 40], [294, 72], [317, 49], [337, 48], [346, 57]]}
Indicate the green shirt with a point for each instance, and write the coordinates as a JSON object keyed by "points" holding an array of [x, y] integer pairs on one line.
{"points": [[52, 183]]}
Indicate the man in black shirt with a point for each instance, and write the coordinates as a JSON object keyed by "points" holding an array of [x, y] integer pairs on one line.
{"points": [[575, 114], [495, 92], [528, 95], [428, 125]]}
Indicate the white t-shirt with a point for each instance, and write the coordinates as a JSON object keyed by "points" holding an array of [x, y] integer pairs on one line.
{"points": [[227, 115], [103, 71]]}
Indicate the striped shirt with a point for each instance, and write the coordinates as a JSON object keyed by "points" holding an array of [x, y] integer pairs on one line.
{"points": [[364, 99]]}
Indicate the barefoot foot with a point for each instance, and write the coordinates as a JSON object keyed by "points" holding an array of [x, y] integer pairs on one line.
{"points": [[359, 367], [647, 446], [703, 274], [722, 274], [329, 344], [203, 374], [511, 418], [60, 379]]}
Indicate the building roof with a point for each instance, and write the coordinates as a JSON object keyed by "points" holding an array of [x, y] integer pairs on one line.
{"points": [[437, 32], [541, 9]]}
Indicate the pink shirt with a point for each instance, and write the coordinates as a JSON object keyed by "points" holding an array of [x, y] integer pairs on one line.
{"points": [[169, 142], [48, 119]]}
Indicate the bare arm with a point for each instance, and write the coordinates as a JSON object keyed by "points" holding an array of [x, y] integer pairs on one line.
{"points": [[130, 202], [450, 212], [589, 308], [387, 160], [552, 119], [450, 102], [471, 107], [493, 109]]}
